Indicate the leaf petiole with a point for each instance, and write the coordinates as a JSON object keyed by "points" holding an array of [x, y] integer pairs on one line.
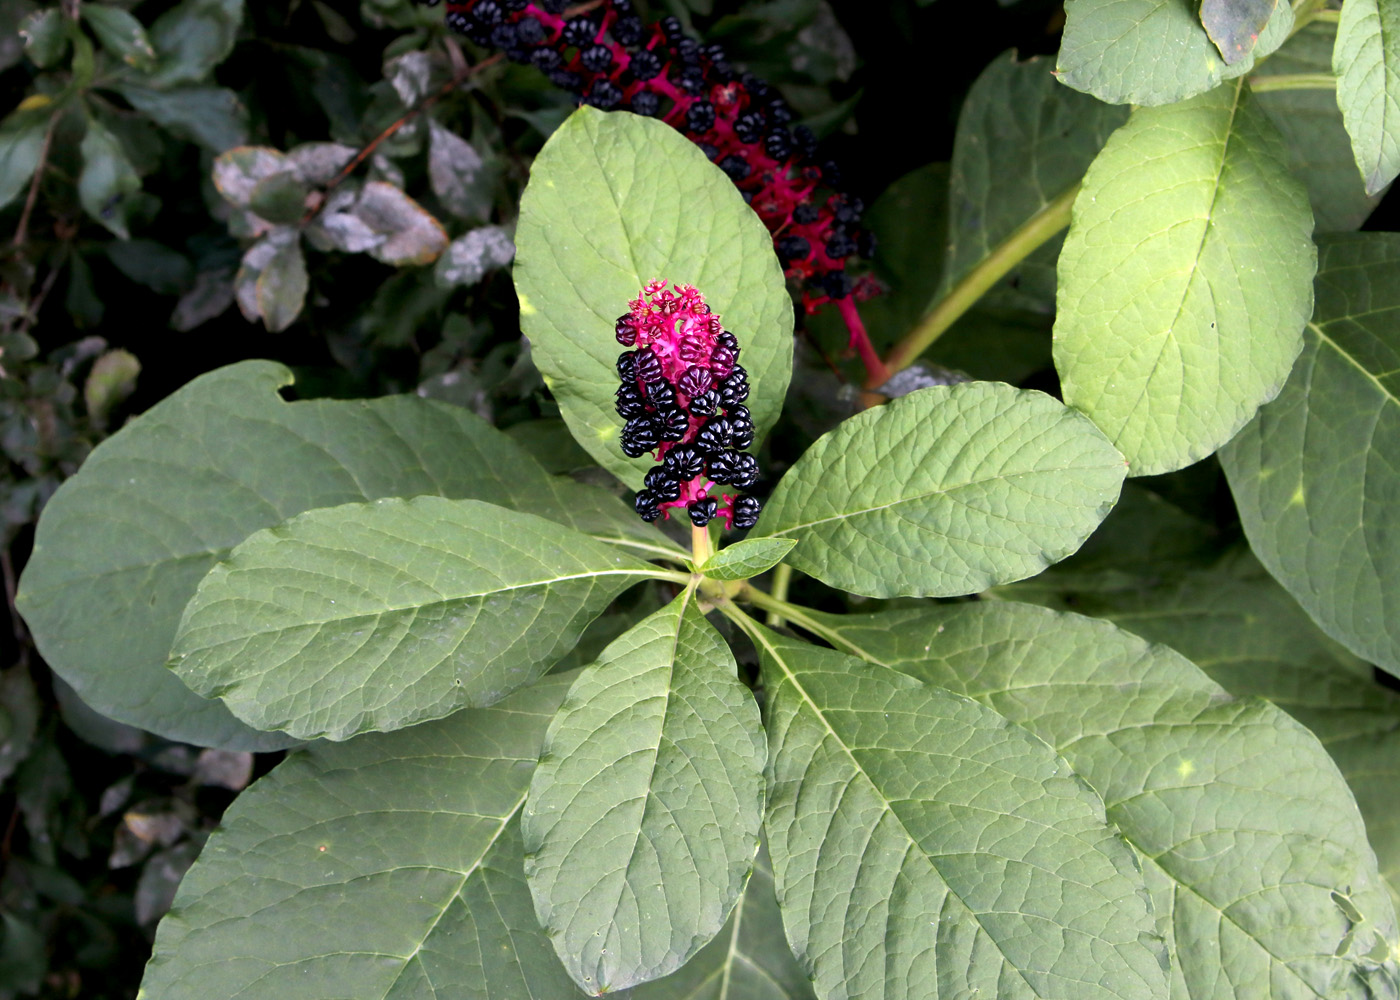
{"points": [[1293, 81]]}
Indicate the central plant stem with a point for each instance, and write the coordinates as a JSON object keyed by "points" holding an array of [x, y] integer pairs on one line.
{"points": [[700, 547]]}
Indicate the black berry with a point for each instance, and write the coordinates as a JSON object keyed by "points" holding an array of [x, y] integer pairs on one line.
{"points": [[702, 510], [630, 403], [646, 104], [646, 504], [645, 65], [746, 511], [695, 381], [597, 58], [639, 437], [685, 462], [700, 117]]}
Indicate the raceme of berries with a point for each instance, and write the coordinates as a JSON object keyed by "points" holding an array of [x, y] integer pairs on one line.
{"points": [[682, 397], [611, 60]]}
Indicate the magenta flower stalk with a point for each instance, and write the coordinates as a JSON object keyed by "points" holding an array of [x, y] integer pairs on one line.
{"points": [[611, 60], [682, 396]]}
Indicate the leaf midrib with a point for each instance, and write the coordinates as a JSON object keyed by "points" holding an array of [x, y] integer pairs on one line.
{"points": [[1351, 358]]}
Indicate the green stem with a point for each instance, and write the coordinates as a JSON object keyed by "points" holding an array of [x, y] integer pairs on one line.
{"points": [[700, 547], [782, 579], [1032, 233], [671, 576], [1293, 81], [799, 617]]}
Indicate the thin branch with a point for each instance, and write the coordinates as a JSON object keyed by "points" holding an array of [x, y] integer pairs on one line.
{"points": [[22, 230], [1293, 81]]}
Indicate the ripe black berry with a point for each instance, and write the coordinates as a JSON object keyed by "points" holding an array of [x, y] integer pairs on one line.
{"points": [[627, 366], [840, 245], [628, 30], [672, 423], [604, 95], [805, 213], [597, 58], [626, 330], [848, 209], [792, 248], [504, 36], [837, 284], [547, 60], [722, 360], [457, 21], [685, 462], [646, 104], [726, 339], [662, 485], [749, 127], [488, 12], [778, 144], [702, 510], [660, 394], [566, 79], [716, 435], [648, 366], [645, 65], [735, 167], [579, 31], [700, 117], [639, 437], [630, 403], [646, 504], [691, 80], [737, 468], [742, 426], [705, 404], [529, 32], [746, 511], [671, 27]]}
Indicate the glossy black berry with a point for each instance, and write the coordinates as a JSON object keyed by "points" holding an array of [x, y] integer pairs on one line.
{"points": [[726, 339], [840, 245], [710, 151], [648, 366], [566, 79], [626, 330], [716, 435], [778, 112], [793, 248], [546, 59], [705, 404], [837, 284], [805, 213], [660, 394], [691, 80], [488, 12], [672, 28], [515, 6], [639, 437], [805, 140], [746, 511], [700, 117], [778, 144], [628, 30], [645, 65], [646, 505], [579, 31], [685, 462], [664, 487], [604, 95], [735, 167], [530, 32], [627, 366], [702, 510], [672, 423], [504, 36], [737, 468], [749, 127], [646, 104], [630, 403], [848, 210], [695, 381], [741, 424], [597, 58], [722, 360], [457, 21]]}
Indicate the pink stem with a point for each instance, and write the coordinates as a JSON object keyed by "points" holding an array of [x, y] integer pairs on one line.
{"points": [[876, 374]]}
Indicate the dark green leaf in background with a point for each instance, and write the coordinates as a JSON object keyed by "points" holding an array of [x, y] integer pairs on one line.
{"points": [[1185, 279], [1319, 151], [191, 39], [616, 201], [1316, 475], [461, 179], [1366, 60], [210, 116], [125, 542], [946, 491], [120, 34], [1150, 52], [643, 816], [1234, 25], [370, 617], [271, 282], [19, 718], [21, 140], [107, 180], [924, 846], [45, 34], [1023, 139], [1263, 881]]}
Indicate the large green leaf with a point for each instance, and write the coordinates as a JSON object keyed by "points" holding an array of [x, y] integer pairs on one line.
{"points": [[616, 201], [373, 616], [107, 180], [1185, 279], [1234, 25], [1319, 151], [123, 544], [946, 491], [1316, 476], [391, 866], [1022, 141], [1261, 874], [386, 866], [924, 846], [21, 141], [1238, 625], [644, 813], [1366, 59], [1151, 52]]}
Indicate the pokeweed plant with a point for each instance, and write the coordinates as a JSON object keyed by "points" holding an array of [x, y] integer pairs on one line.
{"points": [[522, 779]]}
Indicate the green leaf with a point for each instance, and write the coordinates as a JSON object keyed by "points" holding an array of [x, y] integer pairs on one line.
{"points": [[1319, 151], [460, 177], [21, 143], [923, 845], [1205, 786], [107, 180], [279, 198], [1234, 25], [370, 617], [120, 34], [386, 866], [122, 545], [238, 171], [192, 38], [271, 283], [643, 816], [747, 558], [19, 719], [613, 203], [1185, 280], [467, 260], [1151, 52], [210, 116], [946, 491], [1316, 475], [45, 34], [1366, 60], [1016, 113], [111, 380], [411, 234]]}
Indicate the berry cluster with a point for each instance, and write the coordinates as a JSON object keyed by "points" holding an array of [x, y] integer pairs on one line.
{"points": [[604, 53], [682, 396]]}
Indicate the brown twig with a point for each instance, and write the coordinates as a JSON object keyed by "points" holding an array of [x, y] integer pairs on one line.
{"points": [[412, 113], [22, 230]]}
